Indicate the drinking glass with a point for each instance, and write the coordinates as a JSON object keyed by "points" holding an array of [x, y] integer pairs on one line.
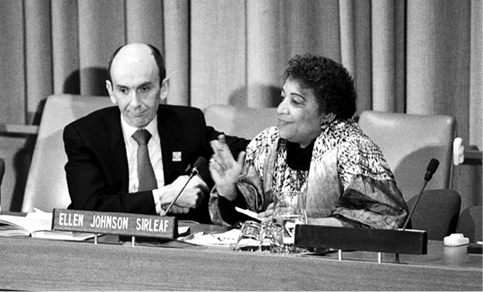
{"points": [[249, 239], [271, 236], [289, 210]]}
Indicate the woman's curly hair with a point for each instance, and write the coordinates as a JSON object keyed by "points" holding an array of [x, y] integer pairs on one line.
{"points": [[330, 81]]}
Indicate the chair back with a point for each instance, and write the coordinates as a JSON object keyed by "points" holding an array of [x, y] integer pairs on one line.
{"points": [[238, 121], [408, 143], [46, 186], [470, 223], [2, 173], [436, 212]]}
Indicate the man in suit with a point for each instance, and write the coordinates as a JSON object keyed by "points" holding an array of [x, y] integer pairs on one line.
{"points": [[102, 168]]}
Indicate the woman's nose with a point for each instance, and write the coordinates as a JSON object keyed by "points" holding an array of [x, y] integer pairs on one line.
{"points": [[282, 108]]}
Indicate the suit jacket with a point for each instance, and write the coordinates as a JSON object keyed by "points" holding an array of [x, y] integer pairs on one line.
{"points": [[97, 168]]}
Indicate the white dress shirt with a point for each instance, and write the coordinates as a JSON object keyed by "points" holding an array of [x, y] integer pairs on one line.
{"points": [[155, 155]]}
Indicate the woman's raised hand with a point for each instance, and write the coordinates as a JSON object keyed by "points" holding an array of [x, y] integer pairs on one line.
{"points": [[224, 168]]}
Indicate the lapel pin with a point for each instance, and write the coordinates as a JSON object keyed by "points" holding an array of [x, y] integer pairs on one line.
{"points": [[176, 156]]}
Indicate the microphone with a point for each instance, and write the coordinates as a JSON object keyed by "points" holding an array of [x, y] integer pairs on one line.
{"points": [[199, 164], [432, 166]]}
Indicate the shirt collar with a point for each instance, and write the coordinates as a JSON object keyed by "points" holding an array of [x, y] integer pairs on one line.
{"points": [[129, 130]]}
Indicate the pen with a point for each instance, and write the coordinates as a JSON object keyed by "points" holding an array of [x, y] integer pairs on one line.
{"points": [[219, 239]]}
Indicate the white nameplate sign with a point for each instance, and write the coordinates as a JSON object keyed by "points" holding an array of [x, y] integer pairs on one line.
{"points": [[115, 223]]}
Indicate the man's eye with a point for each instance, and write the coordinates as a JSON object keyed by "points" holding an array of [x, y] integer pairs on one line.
{"points": [[123, 90], [145, 89]]}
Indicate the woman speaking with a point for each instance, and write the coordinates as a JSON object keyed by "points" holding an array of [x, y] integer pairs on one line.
{"points": [[317, 149]]}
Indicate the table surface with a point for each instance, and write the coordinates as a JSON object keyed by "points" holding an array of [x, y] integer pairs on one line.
{"points": [[39, 264]]}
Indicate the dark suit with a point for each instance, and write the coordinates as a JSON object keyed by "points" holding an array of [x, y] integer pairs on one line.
{"points": [[97, 167]]}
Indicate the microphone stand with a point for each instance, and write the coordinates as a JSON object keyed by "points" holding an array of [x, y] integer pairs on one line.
{"points": [[432, 166], [193, 173], [411, 212], [414, 206], [200, 162]]}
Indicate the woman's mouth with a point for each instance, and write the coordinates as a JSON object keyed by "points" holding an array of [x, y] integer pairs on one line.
{"points": [[282, 123]]}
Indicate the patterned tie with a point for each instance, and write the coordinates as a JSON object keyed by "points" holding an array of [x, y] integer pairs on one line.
{"points": [[147, 179]]}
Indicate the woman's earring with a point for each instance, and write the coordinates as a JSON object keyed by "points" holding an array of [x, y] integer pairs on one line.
{"points": [[324, 124], [329, 118]]}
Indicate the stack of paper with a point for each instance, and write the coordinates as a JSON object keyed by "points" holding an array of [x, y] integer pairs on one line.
{"points": [[227, 238], [36, 224]]}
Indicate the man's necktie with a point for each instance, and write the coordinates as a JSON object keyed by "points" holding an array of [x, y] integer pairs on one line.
{"points": [[147, 179]]}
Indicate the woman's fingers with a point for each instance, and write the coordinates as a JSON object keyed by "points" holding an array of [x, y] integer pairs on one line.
{"points": [[241, 157], [222, 154]]}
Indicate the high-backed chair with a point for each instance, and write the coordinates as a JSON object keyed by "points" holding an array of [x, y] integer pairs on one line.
{"points": [[240, 122], [408, 143], [46, 186], [470, 223], [437, 212]]}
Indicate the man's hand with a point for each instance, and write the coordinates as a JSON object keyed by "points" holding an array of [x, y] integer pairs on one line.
{"points": [[190, 198]]}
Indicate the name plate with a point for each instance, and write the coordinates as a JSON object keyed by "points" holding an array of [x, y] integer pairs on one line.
{"points": [[378, 240], [115, 223]]}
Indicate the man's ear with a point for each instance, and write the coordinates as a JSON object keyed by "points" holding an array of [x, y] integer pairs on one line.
{"points": [[164, 89], [111, 91]]}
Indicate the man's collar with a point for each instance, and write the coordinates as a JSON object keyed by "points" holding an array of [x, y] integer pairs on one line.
{"points": [[129, 130]]}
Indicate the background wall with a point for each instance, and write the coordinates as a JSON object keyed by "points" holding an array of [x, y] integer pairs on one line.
{"points": [[412, 56]]}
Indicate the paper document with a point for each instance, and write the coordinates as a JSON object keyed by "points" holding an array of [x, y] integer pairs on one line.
{"points": [[36, 224], [63, 235], [13, 225], [214, 239], [249, 213], [183, 230]]}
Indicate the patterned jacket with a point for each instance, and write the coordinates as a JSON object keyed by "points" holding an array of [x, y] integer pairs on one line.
{"points": [[348, 178]]}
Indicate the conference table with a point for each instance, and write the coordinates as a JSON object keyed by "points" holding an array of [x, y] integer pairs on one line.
{"points": [[38, 264]]}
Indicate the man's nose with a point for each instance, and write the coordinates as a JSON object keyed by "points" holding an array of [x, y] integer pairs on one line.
{"points": [[134, 98]]}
